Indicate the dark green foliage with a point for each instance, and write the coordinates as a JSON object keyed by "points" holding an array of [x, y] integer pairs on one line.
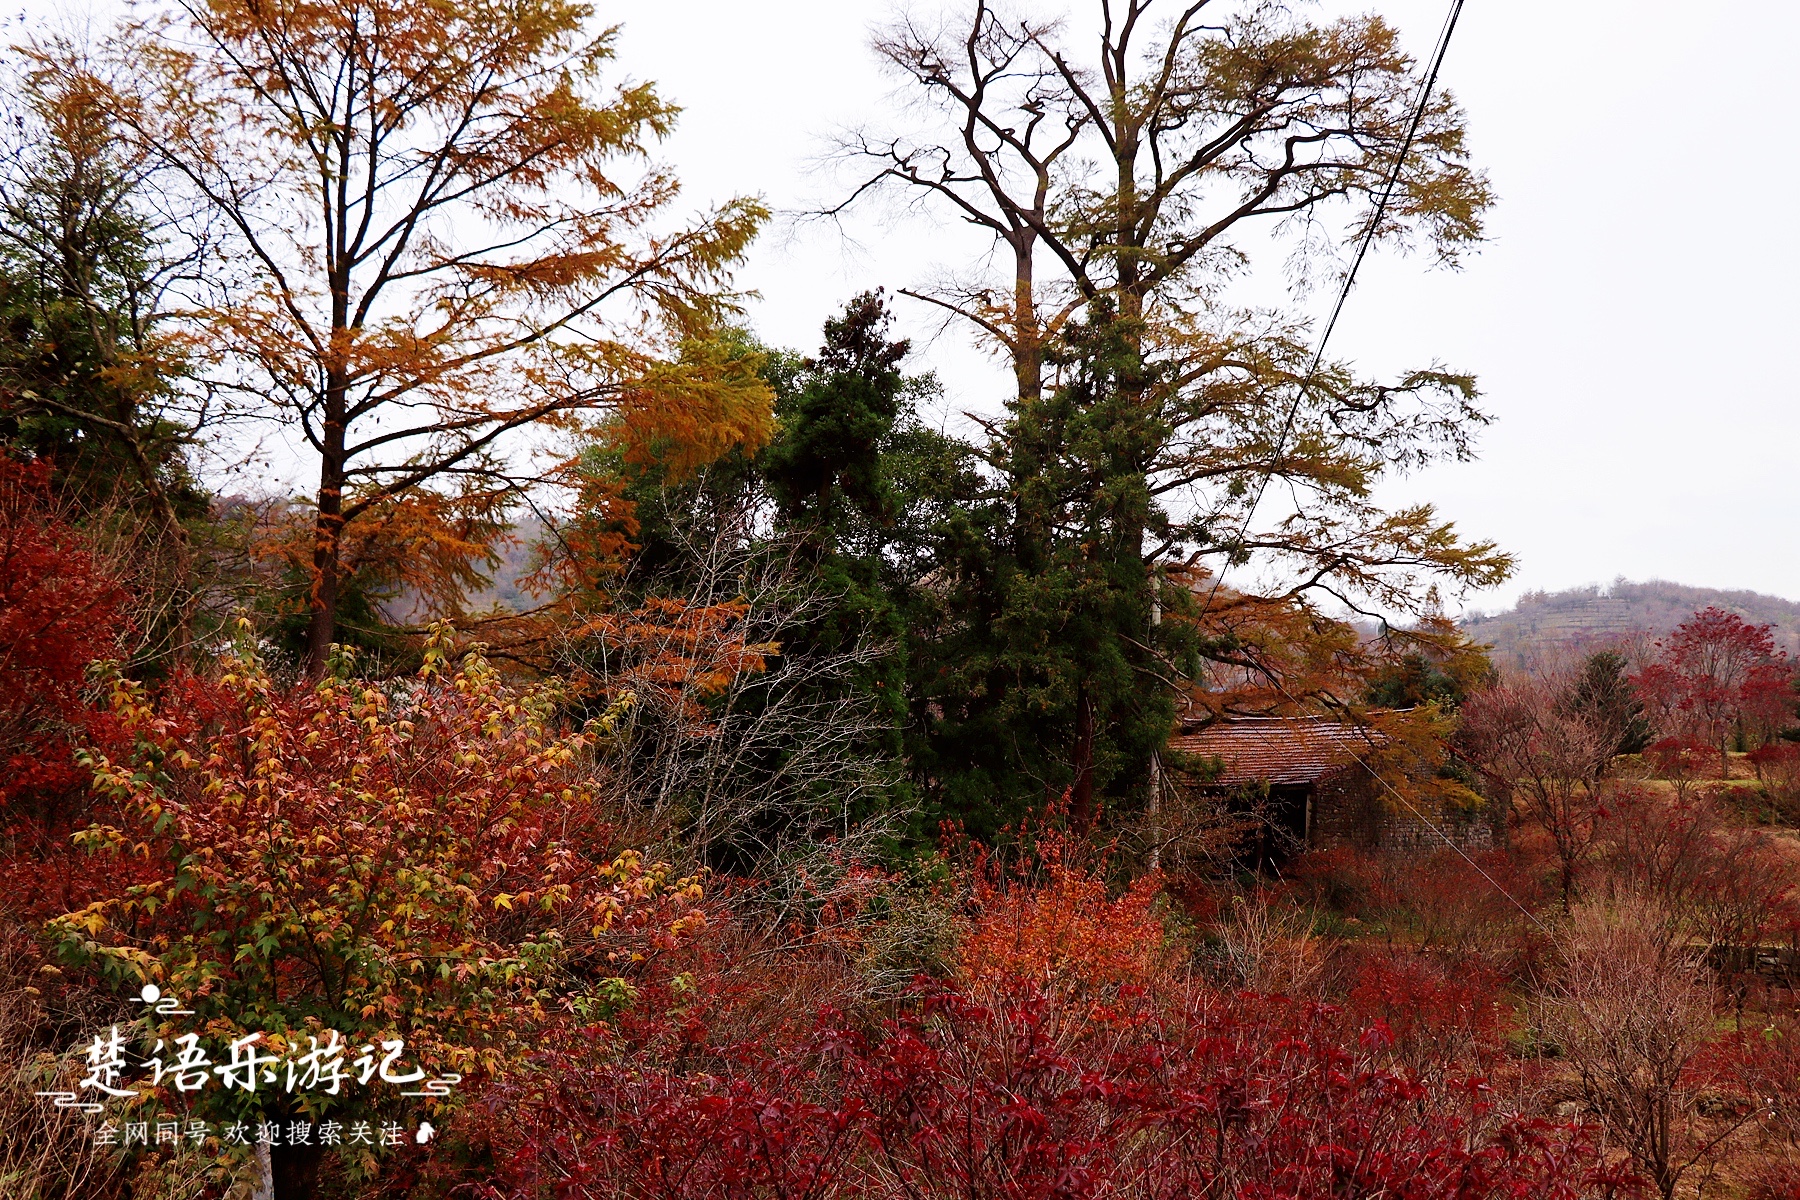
{"points": [[1415, 679], [1040, 674], [82, 375], [996, 601], [844, 418], [829, 532], [1433, 662], [837, 414], [366, 625], [1412, 681], [1603, 694]]}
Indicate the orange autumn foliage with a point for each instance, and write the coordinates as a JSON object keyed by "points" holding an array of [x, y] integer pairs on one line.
{"points": [[1062, 930], [436, 547], [507, 267]]}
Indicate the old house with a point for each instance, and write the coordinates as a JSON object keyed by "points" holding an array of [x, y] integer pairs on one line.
{"points": [[1311, 782]]}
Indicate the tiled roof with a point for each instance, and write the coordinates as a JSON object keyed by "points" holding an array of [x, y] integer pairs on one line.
{"points": [[1278, 750]]}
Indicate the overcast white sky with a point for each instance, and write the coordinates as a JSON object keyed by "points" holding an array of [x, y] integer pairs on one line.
{"points": [[1630, 321]]}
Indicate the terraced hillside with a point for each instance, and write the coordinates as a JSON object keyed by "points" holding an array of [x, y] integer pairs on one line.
{"points": [[1594, 614]]}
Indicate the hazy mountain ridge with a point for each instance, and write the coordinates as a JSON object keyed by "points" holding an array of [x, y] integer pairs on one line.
{"points": [[1594, 614]]}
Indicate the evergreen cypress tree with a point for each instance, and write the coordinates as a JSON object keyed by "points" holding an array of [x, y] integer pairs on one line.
{"points": [[1046, 673], [1603, 694]]}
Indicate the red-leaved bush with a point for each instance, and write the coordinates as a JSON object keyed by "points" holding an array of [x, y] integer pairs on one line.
{"points": [[1441, 1012], [1762, 1066], [1067, 1058], [1026, 1095], [1777, 767], [1682, 761], [59, 611]]}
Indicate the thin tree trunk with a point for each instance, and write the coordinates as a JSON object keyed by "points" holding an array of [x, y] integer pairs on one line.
{"points": [[328, 530], [294, 1172], [1155, 807], [321, 630], [264, 1187], [1081, 792], [1028, 338]]}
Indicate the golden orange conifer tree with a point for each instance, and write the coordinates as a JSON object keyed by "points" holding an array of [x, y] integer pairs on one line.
{"points": [[448, 235]]}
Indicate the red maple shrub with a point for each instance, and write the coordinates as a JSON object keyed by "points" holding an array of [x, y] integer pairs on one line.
{"points": [[1026, 1095], [1065, 1061], [1777, 767], [1682, 761], [1760, 1069], [1717, 674], [1443, 1013], [1341, 878], [428, 858], [59, 612]]}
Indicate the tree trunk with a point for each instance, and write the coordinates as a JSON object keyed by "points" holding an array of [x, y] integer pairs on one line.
{"points": [[1155, 806], [1028, 338], [264, 1187], [294, 1171], [1081, 792], [328, 530]]}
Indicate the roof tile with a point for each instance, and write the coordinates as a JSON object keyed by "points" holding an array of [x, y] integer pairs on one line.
{"points": [[1280, 751]]}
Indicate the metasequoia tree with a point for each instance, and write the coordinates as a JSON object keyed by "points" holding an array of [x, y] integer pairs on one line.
{"points": [[1122, 189], [445, 233], [1141, 176]]}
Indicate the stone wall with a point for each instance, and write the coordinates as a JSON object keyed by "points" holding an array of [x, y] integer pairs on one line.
{"points": [[1351, 809]]}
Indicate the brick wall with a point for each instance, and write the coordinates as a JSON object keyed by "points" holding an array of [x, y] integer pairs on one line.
{"points": [[1350, 808]]}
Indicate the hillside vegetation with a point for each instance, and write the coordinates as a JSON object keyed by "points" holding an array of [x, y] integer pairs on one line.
{"points": [[1585, 615]]}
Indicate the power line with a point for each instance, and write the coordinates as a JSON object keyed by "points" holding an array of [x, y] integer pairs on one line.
{"points": [[1337, 309], [1427, 821], [1287, 425]]}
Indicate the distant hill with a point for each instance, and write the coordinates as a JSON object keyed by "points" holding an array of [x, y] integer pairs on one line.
{"points": [[503, 591], [516, 561], [1594, 615]]}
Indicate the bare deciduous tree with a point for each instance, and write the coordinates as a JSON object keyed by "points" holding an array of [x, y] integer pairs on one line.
{"points": [[1538, 752], [1631, 1012], [769, 771]]}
